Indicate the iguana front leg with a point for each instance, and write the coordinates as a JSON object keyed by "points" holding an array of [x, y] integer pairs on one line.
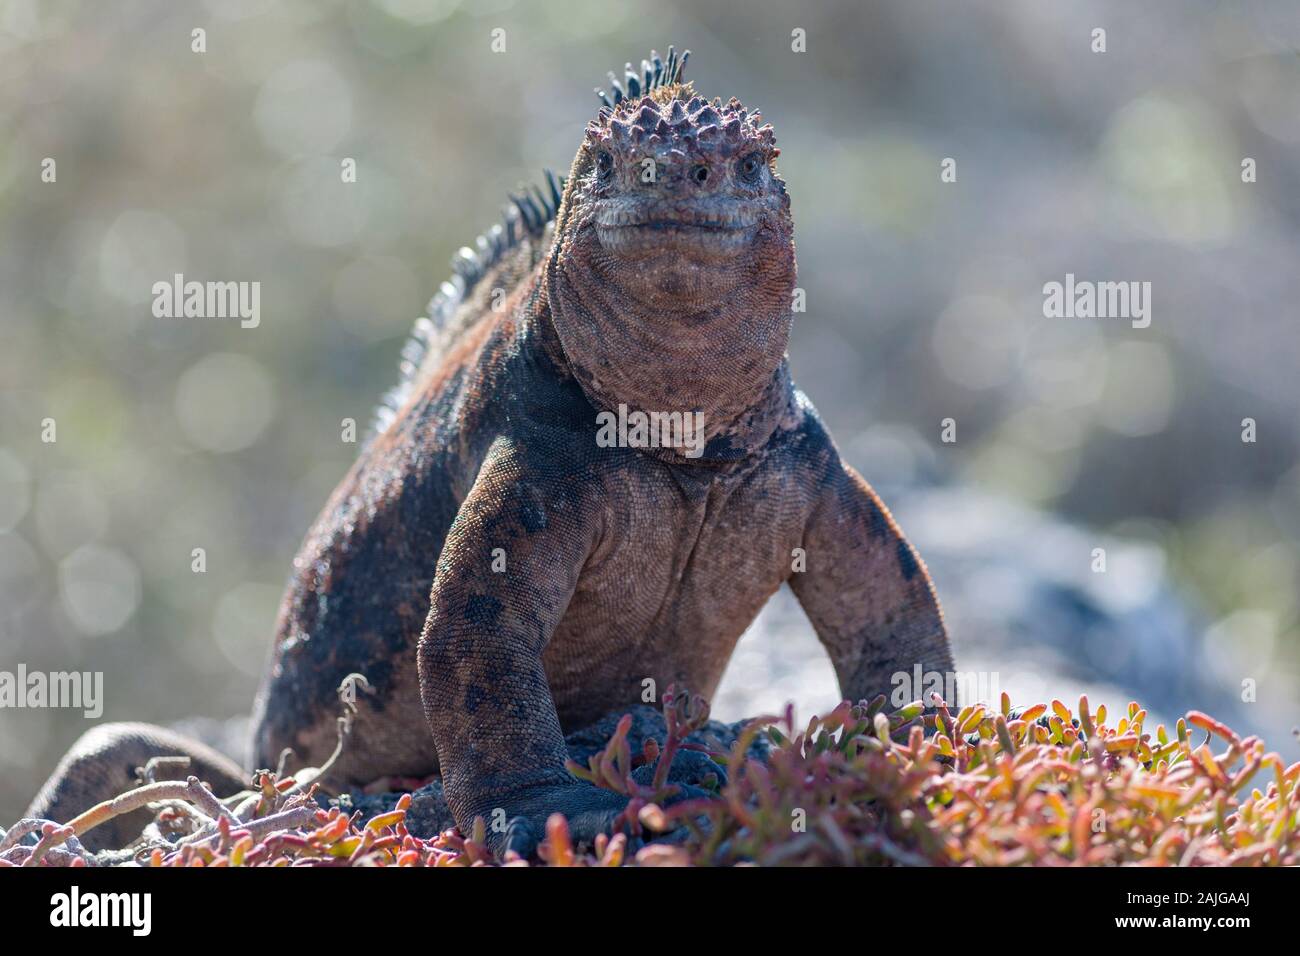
{"points": [[486, 698], [867, 593]]}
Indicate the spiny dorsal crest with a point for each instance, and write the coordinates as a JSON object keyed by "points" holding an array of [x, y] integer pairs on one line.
{"points": [[655, 73], [530, 212]]}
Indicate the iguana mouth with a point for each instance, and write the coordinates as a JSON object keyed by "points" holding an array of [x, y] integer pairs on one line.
{"points": [[710, 230]]}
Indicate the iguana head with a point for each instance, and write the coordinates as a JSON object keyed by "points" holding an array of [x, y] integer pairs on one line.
{"points": [[674, 259]]}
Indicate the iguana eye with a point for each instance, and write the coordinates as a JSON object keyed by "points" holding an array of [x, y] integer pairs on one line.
{"points": [[750, 167], [604, 166]]}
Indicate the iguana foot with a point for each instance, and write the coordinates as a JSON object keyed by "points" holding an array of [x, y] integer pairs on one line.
{"points": [[588, 809]]}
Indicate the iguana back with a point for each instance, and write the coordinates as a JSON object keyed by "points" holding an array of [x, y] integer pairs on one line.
{"points": [[483, 277]]}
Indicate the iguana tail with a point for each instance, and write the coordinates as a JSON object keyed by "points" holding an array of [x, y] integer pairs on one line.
{"points": [[102, 764]]}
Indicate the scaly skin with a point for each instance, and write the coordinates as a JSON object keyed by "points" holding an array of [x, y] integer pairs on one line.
{"points": [[621, 565]]}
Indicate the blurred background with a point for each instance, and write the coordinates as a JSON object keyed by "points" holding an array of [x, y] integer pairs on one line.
{"points": [[925, 302]]}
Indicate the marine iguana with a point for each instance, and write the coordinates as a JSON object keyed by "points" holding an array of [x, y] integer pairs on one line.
{"points": [[499, 575]]}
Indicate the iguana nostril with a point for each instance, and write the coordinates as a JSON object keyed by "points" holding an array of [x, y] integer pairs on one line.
{"points": [[700, 174]]}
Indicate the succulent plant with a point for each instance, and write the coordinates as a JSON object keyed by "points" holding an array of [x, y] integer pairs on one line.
{"points": [[863, 785]]}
